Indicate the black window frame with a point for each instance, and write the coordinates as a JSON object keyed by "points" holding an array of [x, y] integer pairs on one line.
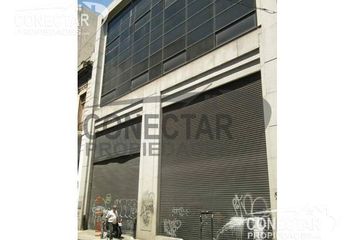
{"points": [[123, 44]]}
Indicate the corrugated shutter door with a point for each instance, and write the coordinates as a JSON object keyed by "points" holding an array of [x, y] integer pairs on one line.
{"points": [[118, 141], [116, 182], [115, 178], [227, 176]]}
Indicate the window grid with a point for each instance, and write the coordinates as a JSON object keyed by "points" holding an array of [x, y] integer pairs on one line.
{"points": [[123, 51]]}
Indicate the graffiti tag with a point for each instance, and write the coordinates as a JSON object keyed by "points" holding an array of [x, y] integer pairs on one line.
{"points": [[147, 208], [245, 214], [180, 212], [171, 226]]}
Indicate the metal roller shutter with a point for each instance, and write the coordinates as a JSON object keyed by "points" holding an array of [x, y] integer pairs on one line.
{"points": [[121, 140], [116, 180], [206, 170]]}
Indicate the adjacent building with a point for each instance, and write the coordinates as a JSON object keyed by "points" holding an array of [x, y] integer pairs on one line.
{"points": [[180, 120], [87, 26]]}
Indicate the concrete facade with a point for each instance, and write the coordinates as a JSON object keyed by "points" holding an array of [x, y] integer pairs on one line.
{"points": [[268, 53], [87, 21], [87, 27], [250, 53]]}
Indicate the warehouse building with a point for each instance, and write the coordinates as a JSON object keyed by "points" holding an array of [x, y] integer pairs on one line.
{"points": [[180, 121]]}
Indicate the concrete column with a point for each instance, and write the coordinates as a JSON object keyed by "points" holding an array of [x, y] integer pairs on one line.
{"points": [[86, 155], [147, 214], [267, 18]]}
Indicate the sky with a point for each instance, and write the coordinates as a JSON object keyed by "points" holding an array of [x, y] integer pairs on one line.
{"points": [[97, 6], [103, 2]]}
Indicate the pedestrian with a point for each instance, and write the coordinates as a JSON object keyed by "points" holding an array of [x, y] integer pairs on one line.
{"points": [[120, 224], [112, 218]]}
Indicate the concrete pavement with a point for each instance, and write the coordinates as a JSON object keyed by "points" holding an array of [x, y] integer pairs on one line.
{"points": [[90, 235]]}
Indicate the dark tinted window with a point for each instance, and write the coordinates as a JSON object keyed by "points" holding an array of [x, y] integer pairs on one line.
{"points": [[156, 21], [141, 55], [230, 15], [125, 34], [141, 7], [155, 71], [125, 43], [175, 7], [142, 21], [156, 58], [123, 77], [112, 45], [175, 20], [124, 55], [169, 2], [141, 32], [140, 80], [156, 1], [197, 5], [201, 17], [156, 33], [140, 67], [200, 32], [143, 42], [174, 48], [222, 5], [151, 37], [235, 30], [157, 9], [108, 97], [175, 62], [156, 45], [201, 47], [124, 65], [111, 55], [123, 89], [107, 86], [174, 34]]}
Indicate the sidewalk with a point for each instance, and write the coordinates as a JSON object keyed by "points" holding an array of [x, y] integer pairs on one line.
{"points": [[90, 235]]}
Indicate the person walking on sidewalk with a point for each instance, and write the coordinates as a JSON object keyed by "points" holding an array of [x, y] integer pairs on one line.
{"points": [[112, 218]]}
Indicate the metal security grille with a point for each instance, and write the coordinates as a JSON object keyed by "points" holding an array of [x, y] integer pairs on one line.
{"points": [[152, 37], [215, 161], [115, 178], [116, 182], [121, 140]]}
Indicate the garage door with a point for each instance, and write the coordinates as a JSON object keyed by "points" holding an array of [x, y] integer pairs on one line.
{"points": [[115, 176], [214, 159]]}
